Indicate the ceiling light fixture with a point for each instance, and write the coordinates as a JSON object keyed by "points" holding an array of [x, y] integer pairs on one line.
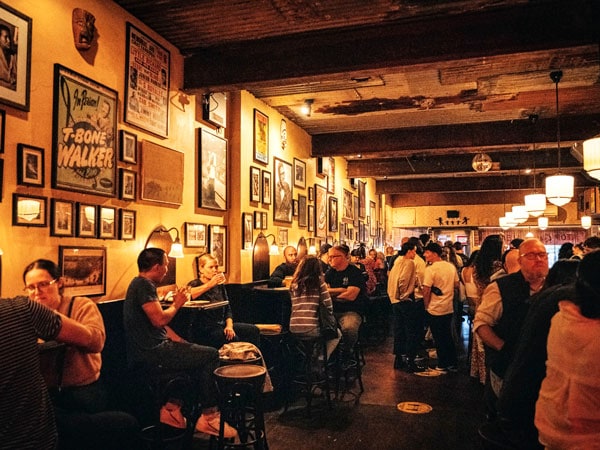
{"points": [[591, 157], [559, 188], [306, 107], [482, 162], [535, 203], [542, 223], [586, 222]]}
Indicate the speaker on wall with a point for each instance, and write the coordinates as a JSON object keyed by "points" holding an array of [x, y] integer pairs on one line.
{"points": [[452, 214]]}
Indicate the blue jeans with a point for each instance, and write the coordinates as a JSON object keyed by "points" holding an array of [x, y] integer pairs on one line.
{"points": [[349, 322]]}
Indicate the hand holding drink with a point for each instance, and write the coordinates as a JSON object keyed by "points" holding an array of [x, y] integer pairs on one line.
{"points": [[220, 278]]}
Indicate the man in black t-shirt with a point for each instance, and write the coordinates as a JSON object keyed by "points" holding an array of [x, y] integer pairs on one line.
{"points": [[348, 290]]}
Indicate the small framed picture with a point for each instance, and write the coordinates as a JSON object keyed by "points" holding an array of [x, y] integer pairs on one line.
{"points": [[311, 217], [333, 214], [30, 165], [29, 210], [264, 220], [128, 150], [295, 208], [301, 210], [247, 231], [195, 234], [266, 187], [311, 194], [254, 184], [126, 224], [87, 217], [127, 183], [62, 215], [107, 226], [258, 220], [83, 270], [299, 173], [261, 137], [283, 237], [218, 244]]}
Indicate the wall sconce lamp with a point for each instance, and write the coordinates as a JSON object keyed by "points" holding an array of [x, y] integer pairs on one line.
{"points": [[176, 249], [306, 108], [273, 248]]}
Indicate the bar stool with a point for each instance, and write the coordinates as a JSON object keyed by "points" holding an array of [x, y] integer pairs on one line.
{"points": [[240, 401], [274, 345], [311, 371], [347, 373]]}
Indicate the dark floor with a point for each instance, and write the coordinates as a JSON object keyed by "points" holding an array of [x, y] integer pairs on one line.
{"points": [[375, 422]]}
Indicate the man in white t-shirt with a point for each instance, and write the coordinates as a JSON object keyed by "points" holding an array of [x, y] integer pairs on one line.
{"points": [[439, 282]]}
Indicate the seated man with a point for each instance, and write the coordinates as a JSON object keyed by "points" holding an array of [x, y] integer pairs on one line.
{"points": [[151, 342], [285, 269]]}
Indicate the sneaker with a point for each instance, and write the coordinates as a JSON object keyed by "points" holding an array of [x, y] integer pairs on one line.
{"points": [[209, 424], [170, 414]]}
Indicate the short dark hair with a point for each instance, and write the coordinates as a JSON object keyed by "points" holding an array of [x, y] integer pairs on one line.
{"points": [[407, 247], [458, 245], [592, 242], [324, 249], [43, 264], [434, 247], [342, 248], [149, 257]]}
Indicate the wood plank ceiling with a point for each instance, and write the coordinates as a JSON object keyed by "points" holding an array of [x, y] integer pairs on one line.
{"points": [[408, 91]]}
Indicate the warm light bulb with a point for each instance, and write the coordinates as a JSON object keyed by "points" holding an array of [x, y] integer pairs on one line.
{"points": [[586, 222], [542, 223]]}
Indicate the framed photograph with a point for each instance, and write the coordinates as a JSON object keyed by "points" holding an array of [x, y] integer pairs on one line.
{"points": [[265, 220], [247, 231], [128, 149], [373, 216], [295, 208], [282, 190], [2, 127], [261, 137], [160, 185], [310, 218], [195, 234], [107, 225], [127, 184], [347, 206], [331, 176], [266, 187], [127, 224], [362, 199], [258, 220], [213, 167], [73, 167], [321, 211], [83, 270], [322, 166], [16, 72], [217, 235], [87, 218], [283, 237], [29, 210], [147, 78], [333, 214], [62, 218], [255, 184], [354, 183], [311, 194], [302, 210], [30, 165], [299, 174], [355, 202]]}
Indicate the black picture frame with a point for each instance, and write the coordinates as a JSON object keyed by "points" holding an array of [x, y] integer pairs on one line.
{"points": [[311, 194], [264, 220], [29, 210], [261, 137], [266, 187], [247, 231], [295, 208], [87, 220], [302, 210], [107, 222], [127, 224], [127, 184], [83, 270], [258, 220], [299, 173], [310, 218], [283, 191], [195, 235], [30, 165], [333, 214], [347, 206], [320, 211], [62, 218], [213, 167], [16, 92], [255, 184], [362, 199], [217, 245], [128, 147]]}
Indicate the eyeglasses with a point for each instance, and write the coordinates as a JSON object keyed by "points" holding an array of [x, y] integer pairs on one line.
{"points": [[39, 286], [533, 255]]}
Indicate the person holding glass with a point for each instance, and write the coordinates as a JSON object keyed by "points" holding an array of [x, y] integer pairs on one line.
{"points": [[215, 327]]}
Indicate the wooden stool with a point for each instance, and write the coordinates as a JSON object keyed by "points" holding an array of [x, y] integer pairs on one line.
{"points": [[240, 401]]}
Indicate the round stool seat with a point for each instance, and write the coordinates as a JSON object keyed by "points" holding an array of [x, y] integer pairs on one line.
{"points": [[240, 372]]}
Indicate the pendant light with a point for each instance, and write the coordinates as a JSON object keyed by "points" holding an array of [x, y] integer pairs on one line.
{"points": [[520, 213], [559, 188], [586, 222], [591, 157], [535, 203], [542, 223]]}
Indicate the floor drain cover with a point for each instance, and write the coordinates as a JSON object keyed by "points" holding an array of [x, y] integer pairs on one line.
{"points": [[414, 407], [429, 373]]}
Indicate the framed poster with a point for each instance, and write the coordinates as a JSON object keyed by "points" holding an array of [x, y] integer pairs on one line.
{"points": [[362, 199], [261, 137], [213, 167], [266, 187], [299, 174], [30, 165], [87, 217], [107, 223], [258, 220], [320, 211], [128, 147], [83, 134], [195, 234], [83, 270], [62, 218], [373, 216], [355, 202], [147, 77], [127, 184], [282, 190], [310, 217], [347, 206], [264, 220], [126, 224], [29, 210], [333, 214], [247, 231], [331, 176], [255, 184], [295, 208], [160, 185], [218, 245], [311, 194], [302, 210], [283, 237], [15, 34]]}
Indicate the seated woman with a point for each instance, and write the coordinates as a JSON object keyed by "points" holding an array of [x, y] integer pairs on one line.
{"points": [[215, 327], [82, 403], [309, 292]]}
